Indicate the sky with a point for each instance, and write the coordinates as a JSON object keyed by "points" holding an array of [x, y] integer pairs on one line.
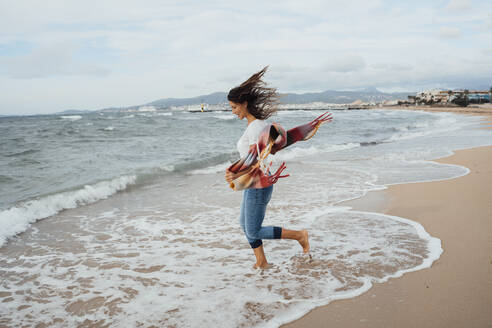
{"points": [[58, 55]]}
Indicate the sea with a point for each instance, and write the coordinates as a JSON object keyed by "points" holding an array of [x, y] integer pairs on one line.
{"points": [[124, 219]]}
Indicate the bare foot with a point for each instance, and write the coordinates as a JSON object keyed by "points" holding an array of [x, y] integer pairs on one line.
{"points": [[304, 241], [262, 265]]}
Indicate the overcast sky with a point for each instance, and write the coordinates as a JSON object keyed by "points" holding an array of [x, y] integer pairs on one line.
{"points": [[57, 55]]}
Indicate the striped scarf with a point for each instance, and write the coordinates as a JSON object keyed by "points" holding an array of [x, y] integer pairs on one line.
{"points": [[272, 139]]}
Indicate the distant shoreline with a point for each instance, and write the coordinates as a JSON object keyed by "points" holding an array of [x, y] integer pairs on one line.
{"points": [[472, 109]]}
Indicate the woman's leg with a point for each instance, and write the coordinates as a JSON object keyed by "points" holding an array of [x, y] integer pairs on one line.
{"points": [[261, 261], [300, 235], [255, 202], [253, 208]]}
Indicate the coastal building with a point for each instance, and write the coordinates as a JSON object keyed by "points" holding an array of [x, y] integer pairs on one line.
{"points": [[446, 97]]}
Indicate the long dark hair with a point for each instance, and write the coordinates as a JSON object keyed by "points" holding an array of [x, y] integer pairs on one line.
{"points": [[262, 101]]}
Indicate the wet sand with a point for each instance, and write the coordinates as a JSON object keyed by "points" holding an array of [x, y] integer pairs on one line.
{"points": [[457, 290]]}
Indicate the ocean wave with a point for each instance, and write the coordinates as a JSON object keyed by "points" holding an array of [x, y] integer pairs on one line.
{"points": [[6, 178], [370, 143], [204, 165], [188, 118], [18, 218], [444, 123], [18, 139], [298, 152], [71, 117], [205, 162], [413, 126], [25, 152], [225, 117]]}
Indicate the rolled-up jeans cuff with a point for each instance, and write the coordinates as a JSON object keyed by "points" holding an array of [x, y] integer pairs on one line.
{"points": [[257, 243], [277, 232]]}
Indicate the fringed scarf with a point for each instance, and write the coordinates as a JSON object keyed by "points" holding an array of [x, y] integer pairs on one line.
{"points": [[272, 139]]}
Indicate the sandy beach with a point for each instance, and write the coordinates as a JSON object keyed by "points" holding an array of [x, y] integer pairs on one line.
{"points": [[457, 290], [474, 109]]}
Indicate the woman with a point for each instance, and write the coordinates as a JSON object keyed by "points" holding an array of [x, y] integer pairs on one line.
{"points": [[255, 102]]}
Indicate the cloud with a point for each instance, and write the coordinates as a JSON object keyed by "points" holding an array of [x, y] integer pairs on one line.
{"points": [[345, 64], [185, 48], [48, 60], [287, 68], [458, 5], [449, 32], [392, 66]]}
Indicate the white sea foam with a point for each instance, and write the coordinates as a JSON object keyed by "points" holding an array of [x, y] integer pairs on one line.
{"points": [[168, 168], [225, 117], [18, 218], [165, 114], [296, 152], [109, 128], [154, 269], [188, 118], [71, 117]]}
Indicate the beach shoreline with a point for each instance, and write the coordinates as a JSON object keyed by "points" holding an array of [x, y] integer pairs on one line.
{"points": [[139, 257], [456, 291], [475, 109]]}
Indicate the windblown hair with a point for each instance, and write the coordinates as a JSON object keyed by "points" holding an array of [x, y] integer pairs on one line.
{"points": [[262, 101]]}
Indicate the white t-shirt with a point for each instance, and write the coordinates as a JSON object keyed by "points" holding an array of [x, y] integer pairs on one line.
{"points": [[250, 136]]}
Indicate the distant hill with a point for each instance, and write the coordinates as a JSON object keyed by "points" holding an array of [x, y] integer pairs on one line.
{"points": [[342, 97], [329, 96], [74, 111], [212, 99]]}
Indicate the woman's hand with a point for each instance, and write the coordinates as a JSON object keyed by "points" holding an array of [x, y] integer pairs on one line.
{"points": [[231, 176]]}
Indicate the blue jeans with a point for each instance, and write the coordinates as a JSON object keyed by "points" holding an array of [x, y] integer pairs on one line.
{"points": [[253, 208]]}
